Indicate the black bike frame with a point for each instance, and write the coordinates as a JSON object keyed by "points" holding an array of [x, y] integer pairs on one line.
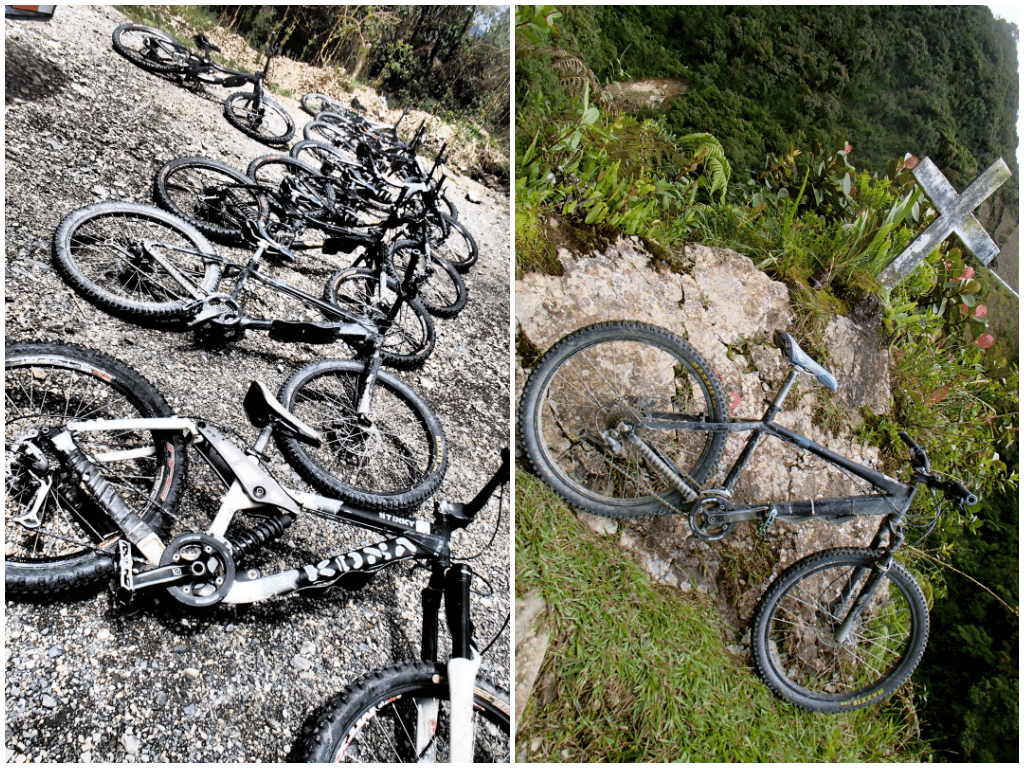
{"points": [[895, 498]]}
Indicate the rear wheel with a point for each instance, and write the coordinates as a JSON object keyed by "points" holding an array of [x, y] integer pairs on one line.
{"points": [[603, 383], [150, 48], [375, 720], [213, 197], [135, 260], [315, 103], [52, 529]]}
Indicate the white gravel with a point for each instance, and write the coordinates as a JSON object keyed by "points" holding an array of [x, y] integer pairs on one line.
{"points": [[159, 682]]}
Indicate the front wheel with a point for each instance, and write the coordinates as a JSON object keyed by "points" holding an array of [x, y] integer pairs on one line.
{"points": [[376, 720], [393, 457], [804, 658], [443, 293], [53, 530], [457, 246], [603, 382], [409, 339], [260, 119]]}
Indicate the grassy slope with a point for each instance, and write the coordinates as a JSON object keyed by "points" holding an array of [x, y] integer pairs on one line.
{"points": [[645, 676]]}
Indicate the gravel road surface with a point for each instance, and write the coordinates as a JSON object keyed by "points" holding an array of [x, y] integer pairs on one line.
{"points": [[158, 681]]}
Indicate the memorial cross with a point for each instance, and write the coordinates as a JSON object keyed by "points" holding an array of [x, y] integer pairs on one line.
{"points": [[955, 215]]}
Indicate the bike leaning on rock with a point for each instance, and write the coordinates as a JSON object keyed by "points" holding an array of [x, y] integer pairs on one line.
{"points": [[624, 419]]}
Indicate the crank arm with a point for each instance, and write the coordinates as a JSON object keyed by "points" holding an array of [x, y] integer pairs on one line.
{"points": [[132, 582]]}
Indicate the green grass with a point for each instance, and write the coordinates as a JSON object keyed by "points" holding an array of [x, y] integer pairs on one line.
{"points": [[643, 673]]}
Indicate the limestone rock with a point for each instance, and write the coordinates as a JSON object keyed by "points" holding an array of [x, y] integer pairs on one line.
{"points": [[728, 310]]}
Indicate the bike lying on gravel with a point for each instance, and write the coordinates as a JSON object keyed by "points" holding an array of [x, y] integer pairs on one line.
{"points": [[301, 208], [252, 113], [625, 419], [96, 467], [146, 265]]}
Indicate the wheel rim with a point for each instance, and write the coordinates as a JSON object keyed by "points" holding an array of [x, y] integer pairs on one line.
{"points": [[391, 455], [114, 251], [613, 382], [803, 651]]}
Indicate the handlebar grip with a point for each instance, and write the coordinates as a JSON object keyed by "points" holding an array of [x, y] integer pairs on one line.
{"points": [[962, 493]]}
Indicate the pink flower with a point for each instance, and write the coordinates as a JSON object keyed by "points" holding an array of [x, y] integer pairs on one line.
{"points": [[985, 341], [980, 311], [967, 275], [848, 149]]}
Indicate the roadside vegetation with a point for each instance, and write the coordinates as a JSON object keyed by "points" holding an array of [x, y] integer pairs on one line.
{"points": [[451, 62], [824, 216]]}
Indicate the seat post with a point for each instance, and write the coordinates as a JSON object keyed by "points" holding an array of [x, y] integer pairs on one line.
{"points": [[264, 439], [780, 397]]}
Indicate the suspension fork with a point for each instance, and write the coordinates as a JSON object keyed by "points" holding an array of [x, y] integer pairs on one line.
{"points": [[464, 663], [877, 570], [367, 383]]}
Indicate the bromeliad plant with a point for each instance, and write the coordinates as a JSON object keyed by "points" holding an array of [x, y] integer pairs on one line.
{"points": [[628, 174]]}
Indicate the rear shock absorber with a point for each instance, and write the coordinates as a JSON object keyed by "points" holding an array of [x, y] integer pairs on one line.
{"points": [[249, 540]]}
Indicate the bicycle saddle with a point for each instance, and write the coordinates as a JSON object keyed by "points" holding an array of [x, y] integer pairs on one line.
{"points": [[262, 408], [787, 344], [204, 42]]}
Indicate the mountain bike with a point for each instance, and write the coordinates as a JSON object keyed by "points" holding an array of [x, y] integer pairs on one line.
{"points": [[625, 419], [148, 266], [95, 469], [395, 714], [252, 113], [303, 209]]}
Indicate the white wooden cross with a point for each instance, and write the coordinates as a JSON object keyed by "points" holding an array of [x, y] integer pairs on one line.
{"points": [[955, 215]]}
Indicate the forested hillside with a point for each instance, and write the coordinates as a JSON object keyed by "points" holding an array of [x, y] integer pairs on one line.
{"points": [[789, 134], [451, 61], [933, 81]]}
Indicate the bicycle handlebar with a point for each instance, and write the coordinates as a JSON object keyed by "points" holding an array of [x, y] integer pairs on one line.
{"points": [[954, 490], [462, 515]]}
